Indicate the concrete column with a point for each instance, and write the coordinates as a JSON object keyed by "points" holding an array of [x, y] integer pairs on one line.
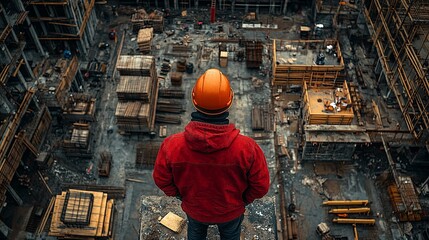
{"points": [[4, 229], [15, 195], [246, 9], [166, 4], [79, 80], [232, 6], [75, 86], [42, 24], [92, 22], [35, 38], [196, 4], [82, 46], [22, 80], [176, 4], [285, 7], [27, 65]]}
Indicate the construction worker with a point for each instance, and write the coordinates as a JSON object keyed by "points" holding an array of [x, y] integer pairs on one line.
{"points": [[210, 166]]}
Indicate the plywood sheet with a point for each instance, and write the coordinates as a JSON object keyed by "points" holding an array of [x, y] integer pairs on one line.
{"points": [[173, 222]]}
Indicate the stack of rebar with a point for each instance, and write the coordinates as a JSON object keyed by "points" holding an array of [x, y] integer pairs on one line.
{"points": [[146, 154], [144, 39], [79, 107]]}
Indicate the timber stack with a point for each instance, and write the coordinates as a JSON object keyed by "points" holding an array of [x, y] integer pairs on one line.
{"points": [[137, 93], [141, 19], [78, 145], [79, 214], [144, 39]]}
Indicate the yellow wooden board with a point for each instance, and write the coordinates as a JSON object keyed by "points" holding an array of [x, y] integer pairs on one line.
{"points": [[173, 222]]}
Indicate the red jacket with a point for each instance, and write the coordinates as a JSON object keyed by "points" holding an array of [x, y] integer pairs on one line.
{"points": [[215, 170]]}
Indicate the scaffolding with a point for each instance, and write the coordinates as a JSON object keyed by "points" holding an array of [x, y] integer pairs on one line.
{"points": [[400, 35]]}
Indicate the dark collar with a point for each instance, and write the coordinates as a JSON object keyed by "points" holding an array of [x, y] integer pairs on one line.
{"points": [[215, 119]]}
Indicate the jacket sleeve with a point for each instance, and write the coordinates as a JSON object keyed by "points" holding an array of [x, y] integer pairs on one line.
{"points": [[258, 177], [162, 173]]}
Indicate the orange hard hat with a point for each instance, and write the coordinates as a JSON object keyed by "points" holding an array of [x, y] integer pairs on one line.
{"points": [[212, 93]]}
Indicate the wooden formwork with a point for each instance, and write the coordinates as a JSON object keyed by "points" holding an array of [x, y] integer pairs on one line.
{"points": [[400, 35], [328, 105], [10, 164], [405, 202], [12, 146], [42, 129], [66, 78], [140, 19], [286, 72], [79, 107]]}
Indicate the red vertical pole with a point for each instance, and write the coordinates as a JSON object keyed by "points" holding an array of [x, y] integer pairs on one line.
{"points": [[213, 12]]}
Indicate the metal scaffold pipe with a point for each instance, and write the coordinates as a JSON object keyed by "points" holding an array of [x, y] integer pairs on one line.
{"points": [[350, 210], [346, 202], [368, 221]]}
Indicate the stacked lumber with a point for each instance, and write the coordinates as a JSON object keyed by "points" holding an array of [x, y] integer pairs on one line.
{"points": [[133, 116], [79, 107], [176, 78], [78, 145], [136, 65], [134, 88], [171, 93], [164, 118], [79, 214], [141, 19], [137, 93], [144, 39], [169, 106]]}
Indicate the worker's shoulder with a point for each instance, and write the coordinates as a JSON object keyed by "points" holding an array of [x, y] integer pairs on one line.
{"points": [[245, 139], [174, 138]]}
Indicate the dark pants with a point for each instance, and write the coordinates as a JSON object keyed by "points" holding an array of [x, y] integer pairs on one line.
{"points": [[228, 231]]}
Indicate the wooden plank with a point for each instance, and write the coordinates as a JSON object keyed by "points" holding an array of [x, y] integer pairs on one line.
{"points": [[173, 222]]}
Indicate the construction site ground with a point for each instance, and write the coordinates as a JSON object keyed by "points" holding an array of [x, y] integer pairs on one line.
{"points": [[137, 214]]}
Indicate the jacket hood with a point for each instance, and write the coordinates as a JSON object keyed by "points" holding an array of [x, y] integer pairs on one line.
{"points": [[207, 138]]}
